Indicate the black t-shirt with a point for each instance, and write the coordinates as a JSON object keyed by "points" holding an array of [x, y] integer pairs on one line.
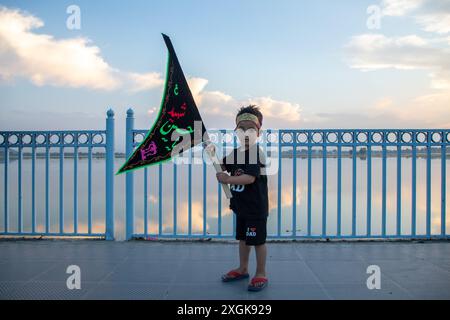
{"points": [[250, 200]]}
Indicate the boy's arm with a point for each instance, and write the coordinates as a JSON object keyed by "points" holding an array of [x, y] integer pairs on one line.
{"points": [[242, 179], [251, 172]]}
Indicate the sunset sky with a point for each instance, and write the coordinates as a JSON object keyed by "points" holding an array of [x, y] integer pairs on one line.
{"points": [[307, 64]]}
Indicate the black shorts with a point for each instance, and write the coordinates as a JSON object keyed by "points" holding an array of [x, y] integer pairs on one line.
{"points": [[252, 230]]}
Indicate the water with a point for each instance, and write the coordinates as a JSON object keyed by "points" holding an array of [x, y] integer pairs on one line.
{"points": [[287, 197]]}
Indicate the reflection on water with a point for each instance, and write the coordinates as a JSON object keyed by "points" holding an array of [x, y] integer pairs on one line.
{"points": [[212, 192]]}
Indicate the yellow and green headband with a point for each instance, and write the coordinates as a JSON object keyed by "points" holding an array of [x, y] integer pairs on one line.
{"points": [[248, 117]]}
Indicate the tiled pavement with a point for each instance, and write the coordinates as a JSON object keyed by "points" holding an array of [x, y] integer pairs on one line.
{"points": [[191, 270]]}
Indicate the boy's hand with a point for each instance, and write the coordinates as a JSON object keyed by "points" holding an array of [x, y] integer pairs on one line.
{"points": [[210, 148], [222, 177]]}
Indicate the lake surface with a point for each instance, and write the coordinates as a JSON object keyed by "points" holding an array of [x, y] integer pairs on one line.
{"points": [[287, 197]]}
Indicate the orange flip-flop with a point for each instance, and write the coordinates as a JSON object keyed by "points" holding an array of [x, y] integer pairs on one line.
{"points": [[234, 275], [258, 283]]}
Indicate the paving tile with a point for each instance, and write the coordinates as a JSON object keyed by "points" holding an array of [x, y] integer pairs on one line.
{"points": [[211, 291], [23, 271], [201, 272], [127, 291], [278, 291], [48, 290], [90, 270], [434, 291], [284, 252], [435, 251], [161, 272], [339, 272], [192, 270], [31, 254], [413, 272], [289, 272], [149, 251], [441, 263], [359, 291], [105, 251], [213, 252], [385, 250], [328, 251], [6, 287]]}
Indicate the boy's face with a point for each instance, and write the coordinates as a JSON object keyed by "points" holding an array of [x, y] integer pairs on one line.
{"points": [[247, 133]]}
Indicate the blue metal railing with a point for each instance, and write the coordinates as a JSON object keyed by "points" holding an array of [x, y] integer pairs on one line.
{"points": [[292, 152], [340, 141], [17, 141]]}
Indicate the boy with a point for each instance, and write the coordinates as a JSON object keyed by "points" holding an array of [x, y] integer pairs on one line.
{"points": [[250, 197]]}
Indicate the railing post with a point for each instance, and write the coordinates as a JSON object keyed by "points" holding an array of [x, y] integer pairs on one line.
{"points": [[129, 176], [109, 175]]}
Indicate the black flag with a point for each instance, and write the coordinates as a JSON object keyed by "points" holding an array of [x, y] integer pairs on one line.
{"points": [[174, 127]]}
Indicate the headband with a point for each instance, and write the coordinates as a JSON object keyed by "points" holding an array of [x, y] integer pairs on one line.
{"points": [[248, 117]]}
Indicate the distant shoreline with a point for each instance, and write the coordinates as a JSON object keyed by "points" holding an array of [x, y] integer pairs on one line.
{"points": [[361, 153]]}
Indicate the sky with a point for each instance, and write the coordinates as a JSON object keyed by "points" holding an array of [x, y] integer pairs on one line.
{"points": [[306, 64]]}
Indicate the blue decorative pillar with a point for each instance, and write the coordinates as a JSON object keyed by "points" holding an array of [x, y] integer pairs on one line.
{"points": [[129, 200], [110, 175]]}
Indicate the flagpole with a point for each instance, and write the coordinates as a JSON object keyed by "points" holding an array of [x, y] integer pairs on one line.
{"points": [[213, 156]]}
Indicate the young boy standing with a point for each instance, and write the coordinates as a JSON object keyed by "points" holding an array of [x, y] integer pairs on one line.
{"points": [[250, 197]]}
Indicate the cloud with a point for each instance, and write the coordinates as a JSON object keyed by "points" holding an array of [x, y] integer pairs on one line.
{"points": [[435, 22], [218, 106], [434, 16], [45, 60], [426, 111], [400, 7], [78, 63], [375, 51], [430, 110], [197, 85], [73, 62], [383, 104], [145, 81], [431, 15], [277, 109], [370, 52]]}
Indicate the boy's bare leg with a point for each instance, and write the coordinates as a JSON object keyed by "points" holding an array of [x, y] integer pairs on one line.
{"points": [[261, 254], [244, 254]]}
